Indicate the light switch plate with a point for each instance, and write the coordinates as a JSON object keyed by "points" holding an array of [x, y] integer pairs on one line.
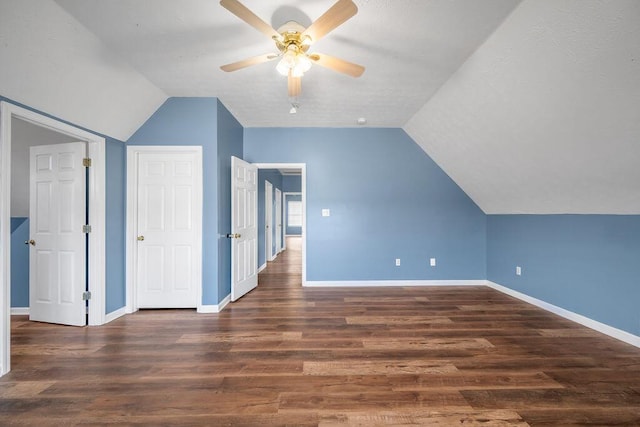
{"points": [[326, 212]]}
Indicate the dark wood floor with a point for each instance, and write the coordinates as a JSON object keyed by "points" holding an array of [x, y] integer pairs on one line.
{"points": [[284, 355]]}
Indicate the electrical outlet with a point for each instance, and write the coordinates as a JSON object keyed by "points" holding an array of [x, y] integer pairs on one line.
{"points": [[326, 212], [432, 262], [518, 270], [397, 262]]}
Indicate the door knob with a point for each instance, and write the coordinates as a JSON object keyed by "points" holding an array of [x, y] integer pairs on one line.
{"points": [[30, 242], [234, 236], [140, 238]]}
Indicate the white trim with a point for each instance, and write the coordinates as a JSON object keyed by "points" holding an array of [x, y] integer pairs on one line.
{"points": [[97, 194], [268, 221], [262, 267], [132, 217], [303, 174], [97, 218], [5, 241], [215, 308], [115, 314], [19, 311], [391, 283], [574, 317]]}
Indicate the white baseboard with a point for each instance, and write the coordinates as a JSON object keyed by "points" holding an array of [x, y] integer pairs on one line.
{"points": [[115, 314], [262, 267], [575, 317], [215, 308], [19, 311], [391, 283]]}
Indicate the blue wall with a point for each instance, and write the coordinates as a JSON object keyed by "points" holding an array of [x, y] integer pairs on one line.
{"points": [[19, 262], [115, 218], [230, 134], [115, 286], [292, 183], [275, 178], [388, 200], [193, 121], [291, 230], [587, 264]]}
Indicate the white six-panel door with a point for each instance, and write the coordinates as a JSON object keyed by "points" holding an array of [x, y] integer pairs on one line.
{"points": [[244, 227], [169, 217], [57, 212]]}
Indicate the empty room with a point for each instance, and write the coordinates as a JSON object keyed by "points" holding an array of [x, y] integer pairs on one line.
{"points": [[320, 213]]}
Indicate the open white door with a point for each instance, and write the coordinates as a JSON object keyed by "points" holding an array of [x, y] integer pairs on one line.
{"points": [[268, 221], [169, 218], [244, 227], [57, 212], [278, 221]]}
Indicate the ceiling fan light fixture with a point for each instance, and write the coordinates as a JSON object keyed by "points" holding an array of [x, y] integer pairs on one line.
{"points": [[303, 63], [293, 42], [287, 62], [295, 61]]}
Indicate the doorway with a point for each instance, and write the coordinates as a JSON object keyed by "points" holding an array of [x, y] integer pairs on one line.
{"points": [[268, 221], [286, 171], [9, 113]]}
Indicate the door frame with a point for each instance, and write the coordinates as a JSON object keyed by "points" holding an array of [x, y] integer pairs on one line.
{"points": [[132, 218], [303, 176], [268, 222], [97, 217]]}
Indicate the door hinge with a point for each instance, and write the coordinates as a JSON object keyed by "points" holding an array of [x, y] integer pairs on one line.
{"points": [[86, 228], [86, 162], [86, 296]]}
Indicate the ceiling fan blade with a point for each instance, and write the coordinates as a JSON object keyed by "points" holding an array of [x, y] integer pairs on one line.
{"points": [[242, 12], [336, 64], [332, 18], [234, 66], [294, 85]]}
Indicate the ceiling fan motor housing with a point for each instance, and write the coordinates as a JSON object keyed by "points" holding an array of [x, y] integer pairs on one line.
{"points": [[291, 38]]}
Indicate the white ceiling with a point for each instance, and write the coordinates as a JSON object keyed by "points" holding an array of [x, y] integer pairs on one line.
{"points": [[409, 49], [49, 61], [545, 117], [530, 107]]}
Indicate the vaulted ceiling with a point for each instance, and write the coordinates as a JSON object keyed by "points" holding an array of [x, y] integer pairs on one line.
{"points": [[531, 107]]}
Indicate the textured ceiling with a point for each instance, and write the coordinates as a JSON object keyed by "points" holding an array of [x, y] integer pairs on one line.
{"points": [[545, 117], [409, 49], [49, 61]]}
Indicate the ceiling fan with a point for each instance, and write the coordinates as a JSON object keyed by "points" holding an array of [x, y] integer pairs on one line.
{"points": [[293, 42]]}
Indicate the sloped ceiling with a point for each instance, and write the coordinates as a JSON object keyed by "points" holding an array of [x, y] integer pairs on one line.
{"points": [[51, 62], [530, 107], [545, 116]]}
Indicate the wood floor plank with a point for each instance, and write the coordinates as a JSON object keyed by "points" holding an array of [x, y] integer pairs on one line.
{"points": [[428, 343], [474, 381], [372, 401], [499, 418], [285, 355], [368, 367]]}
